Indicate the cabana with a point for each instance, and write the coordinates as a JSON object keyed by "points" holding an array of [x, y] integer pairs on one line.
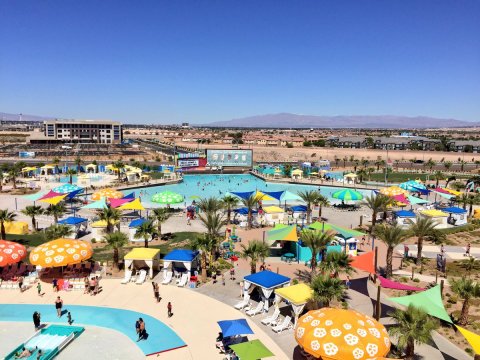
{"points": [[76, 224], [298, 212], [99, 228], [350, 178], [297, 174], [91, 168], [143, 257], [267, 281], [438, 216], [457, 215], [273, 215], [132, 229], [296, 295], [181, 260], [16, 227], [405, 218]]}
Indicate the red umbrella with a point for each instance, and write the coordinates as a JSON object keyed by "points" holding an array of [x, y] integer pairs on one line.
{"points": [[11, 253]]}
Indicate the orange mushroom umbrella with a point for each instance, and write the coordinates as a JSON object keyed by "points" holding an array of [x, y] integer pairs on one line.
{"points": [[337, 334], [11, 253], [61, 252], [107, 193]]}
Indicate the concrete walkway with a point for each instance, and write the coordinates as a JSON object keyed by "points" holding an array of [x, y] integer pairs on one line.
{"points": [[431, 251]]}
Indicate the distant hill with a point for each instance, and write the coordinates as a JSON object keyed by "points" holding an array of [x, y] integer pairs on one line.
{"points": [[286, 120], [24, 117]]}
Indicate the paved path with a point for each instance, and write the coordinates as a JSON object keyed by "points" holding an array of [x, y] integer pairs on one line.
{"points": [[431, 251], [424, 278]]}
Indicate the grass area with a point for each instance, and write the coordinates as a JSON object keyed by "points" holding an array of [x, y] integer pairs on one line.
{"points": [[31, 240], [399, 177], [156, 175]]}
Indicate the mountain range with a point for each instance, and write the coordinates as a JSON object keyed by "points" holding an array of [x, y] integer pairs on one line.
{"points": [[24, 117], [287, 120]]}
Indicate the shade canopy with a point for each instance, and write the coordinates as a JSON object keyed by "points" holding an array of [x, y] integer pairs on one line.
{"points": [[390, 284], [61, 252], [130, 196], [267, 279], [67, 188], [72, 220], [273, 210], [405, 214], [243, 195], [251, 350], [103, 223], [296, 294], [472, 338], [132, 205], [275, 194], [54, 200], [416, 200], [433, 213], [393, 190], [429, 300], [181, 255], [364, 262], [50, 194], [286, 233], [350, 175], [244, 211], [412, 185], [115, 203], [107, 193], [401, 198], [445, 195], [167, 197], [299, 208], [142, 254], [453, 192], [454, 210], [235, 327], [35, 197], [137, 222], [347, 195], [338, 334], [11, 252], [99, 204], [344, 232], [289, 196]]}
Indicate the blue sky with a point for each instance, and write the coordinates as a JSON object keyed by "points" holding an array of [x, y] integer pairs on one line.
{"points": [[201, 61]]}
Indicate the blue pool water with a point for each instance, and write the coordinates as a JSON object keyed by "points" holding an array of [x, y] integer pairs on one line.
{"points": [[218, 185], [161, 337], [94, 178]]}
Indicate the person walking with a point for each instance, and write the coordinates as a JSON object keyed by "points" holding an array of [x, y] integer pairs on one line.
{"points": [[58, 306], [20, 283], [55, 285], [467, 251], [156, 292], [86, 284], [169, 309], [39, 289], [36, 320], [348, 283]]}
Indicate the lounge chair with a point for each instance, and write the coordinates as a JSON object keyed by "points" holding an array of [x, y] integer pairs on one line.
{"points": [[127, 278], [141, 277], [257, 310], [183, 280], [285, 324], [167, 278], [243, 303], [272, 318]]}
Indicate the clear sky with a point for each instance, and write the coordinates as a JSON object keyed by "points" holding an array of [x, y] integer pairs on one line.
{"points": [[200, 61]]}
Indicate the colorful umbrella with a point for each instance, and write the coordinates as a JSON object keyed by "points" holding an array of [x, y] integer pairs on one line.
{"points": [[251, 350], [11, 253], [347, 195], [54, 200], [393, 190], [167, 197], [338, 334], [50, 194], [37, 196], [346, 233], [99, 204], [287, 233], [235, 327], [132, 205], [107, 193], [67, 188], [61, 252], [411, 185]]}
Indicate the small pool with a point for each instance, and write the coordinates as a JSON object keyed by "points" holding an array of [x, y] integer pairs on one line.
{"points": [[93, 178]]}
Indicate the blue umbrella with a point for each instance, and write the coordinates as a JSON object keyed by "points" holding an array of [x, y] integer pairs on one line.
{"points": [[234, 327]]}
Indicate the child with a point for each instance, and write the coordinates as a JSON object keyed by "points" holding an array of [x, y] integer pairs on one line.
{"points": [[169, 309], [69, 318]]}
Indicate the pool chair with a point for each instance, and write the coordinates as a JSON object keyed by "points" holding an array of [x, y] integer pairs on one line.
{"points": [[141, 277], [183, 280], [284, 325], [243, 303], [272, 318], [257, 310], [127, 278], [167, 278]]}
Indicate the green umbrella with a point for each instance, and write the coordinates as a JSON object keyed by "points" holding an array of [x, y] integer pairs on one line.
{"points": [[251, 350], [167, 197], [347, 195]]}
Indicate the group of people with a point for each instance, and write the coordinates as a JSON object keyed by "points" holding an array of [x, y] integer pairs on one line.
{"points": [[92, 285], [26, 353], [158, 298]]}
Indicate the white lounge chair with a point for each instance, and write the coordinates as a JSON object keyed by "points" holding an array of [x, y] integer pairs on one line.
{"points": [[141, 278], [242, 303], [270, 319], [183, 280], [127, 278], [257, 310], [167, 278], [285, 324]]}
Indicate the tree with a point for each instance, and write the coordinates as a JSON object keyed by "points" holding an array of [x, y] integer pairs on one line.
{"points": [[377, 203], [362, 174], [5, 216], [287, 169], [317, 242], [58, 232], [70, 173], [210, 204], [56, 162], [13, 173], [119, 166], [423, 228], [390, 236], [116, 241], [336, 262], [33, 211], [322, 201], [229, 202], [310, 197], [326, 289], [467, 289], [447, 165], [345, 159], [213, 222], [57, 211], [250, 203], [160, 215], [437, 177], [207, 245], [145, 231], [110, 215], [430, 164], [254, 251], [413, 327], [78, 162]]}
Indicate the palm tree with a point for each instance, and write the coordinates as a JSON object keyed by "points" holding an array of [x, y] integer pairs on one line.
{"points": [[213, 222], [210, 204], [438, 176], [56, 161], [5, 216], [423, 228], [206, 244], [229, 202], [116, 241], [317, 242], [57, 211], [362, 174], [430, 163], [119, 165], [2, 176], [336, 262], [377, 203], [145, 231], [58, 232], [78, 161], [250, 203], [326, 289], [447, 165], [33, 211], [110, 216], [322, 201], [255, 250], [390, 236], [413, 327], [160, 215], [13, 173], [287, 169], [309, 197], [70, 173], [466, 289], [370, 171]]}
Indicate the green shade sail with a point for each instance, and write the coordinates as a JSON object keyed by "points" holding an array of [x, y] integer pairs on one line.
{"points": [[347, 195], [167, 197], [287, 233], [429, 300], [289, 196], [251, 350], [36, 196], [99, 204], [346, 233], [415, 200]]}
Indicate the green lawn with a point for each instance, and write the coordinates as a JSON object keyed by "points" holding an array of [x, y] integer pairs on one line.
{"points": [[28, 239], [399, 177]]}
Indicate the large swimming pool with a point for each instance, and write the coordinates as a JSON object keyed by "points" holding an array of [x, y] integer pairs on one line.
{"points": [[218, 185]]}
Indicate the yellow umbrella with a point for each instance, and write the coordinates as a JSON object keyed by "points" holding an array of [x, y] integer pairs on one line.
{"points": [[54, 200], [107, 193], [393, 191], [351, 175], [61, 252]]}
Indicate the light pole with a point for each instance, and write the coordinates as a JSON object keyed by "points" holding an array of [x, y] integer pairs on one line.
{"points": [[386, 167]]}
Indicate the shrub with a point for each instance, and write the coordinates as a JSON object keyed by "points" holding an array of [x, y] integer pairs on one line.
{"points": [[93, 241], [417, 280]]}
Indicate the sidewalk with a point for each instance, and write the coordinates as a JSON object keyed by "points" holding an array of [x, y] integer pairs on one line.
{"points": [[431, 251]]}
